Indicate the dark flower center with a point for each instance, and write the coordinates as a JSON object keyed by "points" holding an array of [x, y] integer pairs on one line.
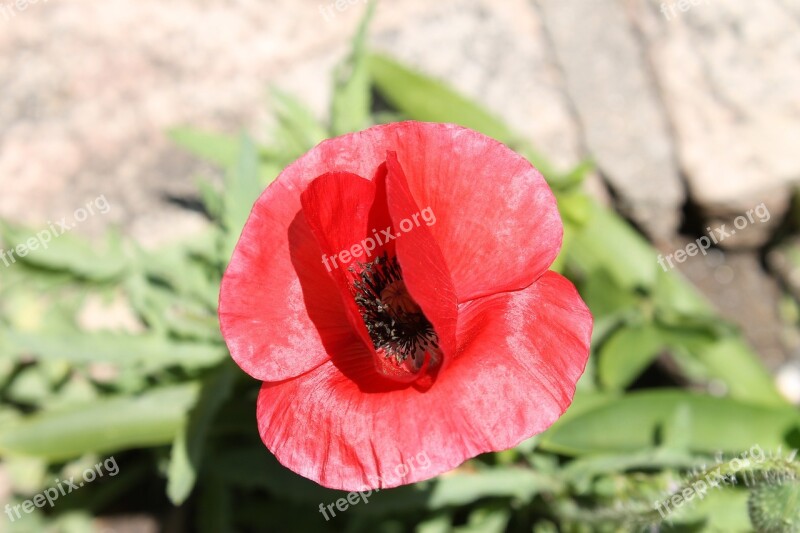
{"points": [[395, 322]]}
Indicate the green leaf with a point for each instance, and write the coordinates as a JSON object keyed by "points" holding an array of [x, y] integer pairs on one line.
{"points": [[719, 510], [608, 242], [611, 306], [351, 97], [582, 469], [149, 352], [706, 349], [676, 433], [211, 197], [585, 401], [222, 150], [634, 422], [76, 391], [27, 475], [674, 295], [299, 127], [575, 207], [214, 512], [191, 270], [254, 468], [733, 362], [74, 522], [188, 448], [627, 353], [242, 188], [268, 171], [467, 487], [438, 523], [606, 299], [422, 98], [30, 386], [104, 426], [463, 488], [571, 180], [486, 520], [67, 252]]}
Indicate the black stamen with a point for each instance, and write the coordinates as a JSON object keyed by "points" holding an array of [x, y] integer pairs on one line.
{"points": [[394, 321]]}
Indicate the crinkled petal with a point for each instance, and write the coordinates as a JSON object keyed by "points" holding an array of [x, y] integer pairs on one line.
{"points": [[520, 356], [497, 223], [280, 312]]}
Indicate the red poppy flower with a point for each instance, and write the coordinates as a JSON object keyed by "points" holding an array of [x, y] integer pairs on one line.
{"points": [[391, 290]]}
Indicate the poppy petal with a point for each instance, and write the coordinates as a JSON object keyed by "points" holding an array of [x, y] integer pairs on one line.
{"points": [[336, 206], [497, 223], [424, 267], [280, 312], [519, 360]]}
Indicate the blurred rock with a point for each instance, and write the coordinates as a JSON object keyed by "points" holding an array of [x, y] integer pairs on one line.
{"points": [[496, 53], [85, 110], [87, 103], [617, 104], [743, 293], [729, 73]]}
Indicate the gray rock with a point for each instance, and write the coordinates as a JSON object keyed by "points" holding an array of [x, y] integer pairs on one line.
{"points": [[497, 54], [739, 288], [729, 73], [617, 104]]}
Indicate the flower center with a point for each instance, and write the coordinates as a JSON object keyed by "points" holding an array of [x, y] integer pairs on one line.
{"points": [[395, 322]]}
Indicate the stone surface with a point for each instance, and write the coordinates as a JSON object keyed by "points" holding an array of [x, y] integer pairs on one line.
{"points": [[712, 95], [743, 293], [618, 107], [729, 73], [84, 111], [498, 54], [86, 100]]}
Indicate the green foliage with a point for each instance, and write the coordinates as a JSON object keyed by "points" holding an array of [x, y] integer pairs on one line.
{"points": [[352, 98], [426, 99], [166, 399], [636, 421], [187, 450], [102, 426], [775, 508]]}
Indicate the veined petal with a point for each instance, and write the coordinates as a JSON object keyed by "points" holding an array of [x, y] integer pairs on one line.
{"points": [[521, 354], [497, 223], [280, 312], [424, 267]]}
